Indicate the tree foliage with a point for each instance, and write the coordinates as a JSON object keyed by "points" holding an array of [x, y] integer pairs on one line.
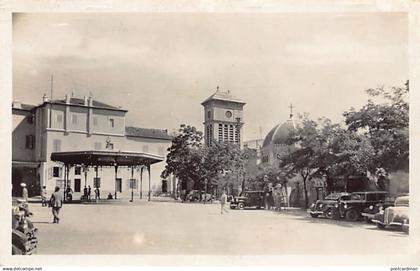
{"points": [[386, 124]]}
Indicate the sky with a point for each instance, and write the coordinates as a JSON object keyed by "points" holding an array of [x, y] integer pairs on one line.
{"points": [[161, 66]]}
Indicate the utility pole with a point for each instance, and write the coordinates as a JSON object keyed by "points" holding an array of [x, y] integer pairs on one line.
{"points": [[51, 86]]}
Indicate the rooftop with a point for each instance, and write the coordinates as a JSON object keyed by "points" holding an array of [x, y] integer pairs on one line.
{"points": [[20, 106], [146, 132], [223, 96], [79, 101]]}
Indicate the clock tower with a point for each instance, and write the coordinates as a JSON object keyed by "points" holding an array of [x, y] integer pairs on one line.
{"points": [[223, 118]]}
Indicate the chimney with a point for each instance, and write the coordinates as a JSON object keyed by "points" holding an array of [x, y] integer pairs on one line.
{"points": [[90, 100], [85, 100], [45, 98], [67, 99]]}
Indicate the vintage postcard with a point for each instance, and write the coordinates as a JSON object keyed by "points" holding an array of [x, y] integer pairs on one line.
{"points": [[153, 133]]}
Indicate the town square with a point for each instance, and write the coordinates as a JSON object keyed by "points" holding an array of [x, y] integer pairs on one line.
{"points": [[210, 134]]}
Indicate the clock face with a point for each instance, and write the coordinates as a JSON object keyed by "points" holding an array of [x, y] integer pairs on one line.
{"points": [[228, 114]]}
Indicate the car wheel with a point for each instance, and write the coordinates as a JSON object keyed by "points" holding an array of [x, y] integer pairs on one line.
{"points": [[314, 215], [232, 207], [368, 220], [241, 206], [258, 207], [352, 215], [380, 226], [328, 213]]}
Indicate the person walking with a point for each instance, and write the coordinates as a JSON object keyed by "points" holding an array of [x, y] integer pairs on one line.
{"points": [[44, 196], [89, 192], [223, 201], [24, 192], [56, 201]]}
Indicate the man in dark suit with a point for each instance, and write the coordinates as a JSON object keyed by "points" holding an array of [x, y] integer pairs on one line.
{"points": [[56, 202]]}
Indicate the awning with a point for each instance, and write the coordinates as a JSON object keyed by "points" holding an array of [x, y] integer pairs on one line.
{"points": [[106, 158]]}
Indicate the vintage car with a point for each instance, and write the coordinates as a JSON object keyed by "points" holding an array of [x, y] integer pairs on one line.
{"points": [[24, 233], [194, 195], [325, 207], [369, 212], [248, 199], [351, 209], [396, 215]]}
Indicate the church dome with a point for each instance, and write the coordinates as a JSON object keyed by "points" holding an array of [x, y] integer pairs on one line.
{"points": [[279, 134]]}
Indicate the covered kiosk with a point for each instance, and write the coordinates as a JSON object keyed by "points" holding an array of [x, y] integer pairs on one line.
{"points": [[116, 159]]}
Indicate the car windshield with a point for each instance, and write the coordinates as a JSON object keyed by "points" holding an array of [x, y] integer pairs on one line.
{"points": [[333, 196], [401, 201], [357, 196]]}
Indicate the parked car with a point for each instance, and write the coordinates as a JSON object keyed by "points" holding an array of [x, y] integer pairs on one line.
{"points": [[351, 209], [248, 199], [194, 195], [24, 233], [369, 212], [326, 206], [396, 215]]}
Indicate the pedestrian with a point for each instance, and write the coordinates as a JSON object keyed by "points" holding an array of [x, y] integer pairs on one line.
{"points": [[97, 194], [24, 192], [223, 201], [56, 202], [69, 193], [85, 192], [44, 196], [89, 192]]}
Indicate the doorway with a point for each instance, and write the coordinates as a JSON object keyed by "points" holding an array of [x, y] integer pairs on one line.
{"points": [[77, 185]]}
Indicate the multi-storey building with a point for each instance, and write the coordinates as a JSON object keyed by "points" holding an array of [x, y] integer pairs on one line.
{"points": [[223, 118], [75, 124]]}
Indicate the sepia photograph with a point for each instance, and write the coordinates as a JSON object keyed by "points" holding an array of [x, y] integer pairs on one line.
{"points": [[210, 133]]}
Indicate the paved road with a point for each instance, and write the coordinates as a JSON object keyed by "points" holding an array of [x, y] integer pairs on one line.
{"points": [[176, 228]]}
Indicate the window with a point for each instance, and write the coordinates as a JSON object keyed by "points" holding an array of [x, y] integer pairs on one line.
{"points": [[95, 121], [98, 145], [29, 143], [74, 119], [77, 170], [145, 148], [226, 133], [30, 119], [112, 123], [220, 132], [208, 114], [59, 118], [56, 172], [231, 133]]}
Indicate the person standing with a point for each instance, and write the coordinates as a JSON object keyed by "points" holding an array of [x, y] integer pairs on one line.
{"points": [[56, 201], [89, 192], [85, 193], [223, 201], [24, 192], [44, 196], [97, 194]]}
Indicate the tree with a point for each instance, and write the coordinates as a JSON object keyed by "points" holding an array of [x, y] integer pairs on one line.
{"points": [[222, 163], [386, 125], [185, 155]]}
